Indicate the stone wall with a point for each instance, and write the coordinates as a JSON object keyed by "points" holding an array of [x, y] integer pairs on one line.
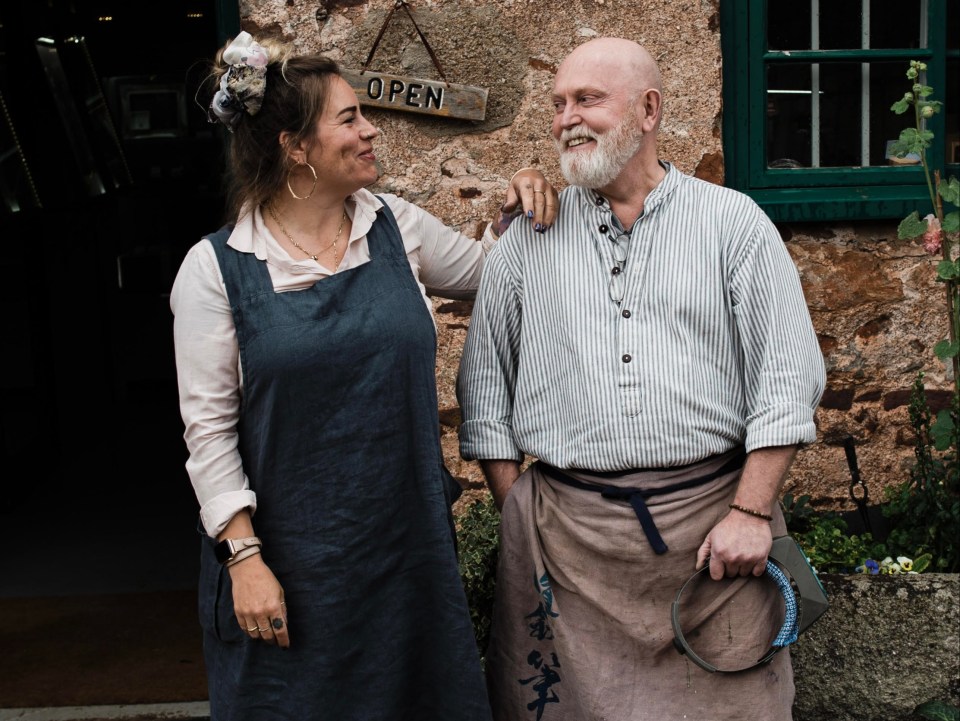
{"points": [[885, 645], [872, 298]]}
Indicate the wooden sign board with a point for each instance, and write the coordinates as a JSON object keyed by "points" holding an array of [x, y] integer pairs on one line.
{"points": [[413, 95]]}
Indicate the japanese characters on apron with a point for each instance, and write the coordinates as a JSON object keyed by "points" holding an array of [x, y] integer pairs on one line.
{"points": [[582, 612], [340, 439]]}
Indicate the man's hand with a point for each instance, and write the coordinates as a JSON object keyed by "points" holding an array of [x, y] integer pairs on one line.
{"points": [[736, 547]]}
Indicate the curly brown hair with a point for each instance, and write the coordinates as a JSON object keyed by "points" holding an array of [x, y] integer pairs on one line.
{"points": [[297, 87]]}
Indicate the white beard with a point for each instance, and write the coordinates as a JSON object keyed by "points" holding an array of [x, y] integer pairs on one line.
{"points": [[603, 164]]}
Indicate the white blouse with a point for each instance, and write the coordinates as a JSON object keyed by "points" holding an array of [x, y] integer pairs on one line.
{"points": [[444, 262]]}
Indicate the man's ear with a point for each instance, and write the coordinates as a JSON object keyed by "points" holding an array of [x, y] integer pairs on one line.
{"points": [[652, 104]]}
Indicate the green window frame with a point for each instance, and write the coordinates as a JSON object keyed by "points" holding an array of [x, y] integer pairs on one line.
{"points": [[814, 191]]}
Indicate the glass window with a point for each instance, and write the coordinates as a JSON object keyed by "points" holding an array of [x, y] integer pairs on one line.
{"points": [[815, 80]]}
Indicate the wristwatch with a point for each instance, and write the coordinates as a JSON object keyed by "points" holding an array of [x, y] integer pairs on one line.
{"points": [[230, 547]]}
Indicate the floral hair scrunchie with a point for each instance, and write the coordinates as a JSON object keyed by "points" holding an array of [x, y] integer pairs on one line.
{"points": [[242, 86]]}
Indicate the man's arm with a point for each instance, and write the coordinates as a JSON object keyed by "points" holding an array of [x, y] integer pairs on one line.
{"points": [[738, 545], [501, 475]]}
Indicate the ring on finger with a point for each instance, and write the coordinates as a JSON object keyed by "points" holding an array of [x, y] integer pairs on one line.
{"points": [[543, 193], [252, 629]]}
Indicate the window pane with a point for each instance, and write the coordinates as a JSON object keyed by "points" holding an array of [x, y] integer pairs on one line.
{"points": [[841, 103], [788, 25], [816, 113], [888, 83], [895, 23], [789, 118], [840, 24]]}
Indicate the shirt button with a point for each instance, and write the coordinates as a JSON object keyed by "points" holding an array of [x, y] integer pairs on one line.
{"points": [[626, 313], [627, 358], [615, 270], [599, 200], [604, 229]]}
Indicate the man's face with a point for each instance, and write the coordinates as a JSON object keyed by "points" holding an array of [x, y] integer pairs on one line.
{"points": [[594, 159], [595, 124]]}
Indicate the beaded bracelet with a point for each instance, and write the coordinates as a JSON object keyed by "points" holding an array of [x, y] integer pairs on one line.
{"points": [[751, 512]]}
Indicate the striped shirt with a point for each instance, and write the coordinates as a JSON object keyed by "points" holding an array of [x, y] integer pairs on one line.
{"points": [[710, 347]]}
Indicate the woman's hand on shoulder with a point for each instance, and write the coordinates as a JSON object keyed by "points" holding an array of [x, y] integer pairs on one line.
{"points": [[529, 194]]}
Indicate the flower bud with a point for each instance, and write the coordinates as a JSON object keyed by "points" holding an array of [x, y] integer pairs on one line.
{"points": [[932, 238], [926, 111], [912, 73]]}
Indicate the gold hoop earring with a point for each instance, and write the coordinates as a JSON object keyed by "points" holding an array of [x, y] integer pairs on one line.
{"points": [[290, 187]]}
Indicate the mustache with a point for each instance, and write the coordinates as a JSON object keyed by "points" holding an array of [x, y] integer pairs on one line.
{"points": [[573, 133]]}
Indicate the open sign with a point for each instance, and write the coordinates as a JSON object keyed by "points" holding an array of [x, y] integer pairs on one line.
{"points": [[415, 95]]}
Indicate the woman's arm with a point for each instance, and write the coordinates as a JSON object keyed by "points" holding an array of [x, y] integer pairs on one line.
{"points": [[208, 377]]}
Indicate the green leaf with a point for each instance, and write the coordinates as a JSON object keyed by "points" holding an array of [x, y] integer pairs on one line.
{"points": [[941, 432], [900, 107], [951, 222], [911, 227], [948, 270], [937, 711], [950, 191], [945, 349], [910, 141], [922, 563]]}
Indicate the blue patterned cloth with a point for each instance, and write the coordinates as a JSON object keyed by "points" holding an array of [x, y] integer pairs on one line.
{"points": [[791, 617]]}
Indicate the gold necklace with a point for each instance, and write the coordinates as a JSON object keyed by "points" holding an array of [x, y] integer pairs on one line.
{"points": [[312, 256]]}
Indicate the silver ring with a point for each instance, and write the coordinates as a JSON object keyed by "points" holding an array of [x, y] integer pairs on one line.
{"points": [[261, 630], [251, 630], [540, 191]]}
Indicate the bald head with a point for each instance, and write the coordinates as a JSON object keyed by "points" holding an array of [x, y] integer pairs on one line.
{"points": [[619, 58], [606, 99]]}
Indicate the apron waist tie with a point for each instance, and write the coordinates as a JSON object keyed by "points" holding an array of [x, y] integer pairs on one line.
{"points": [[636, 497]]}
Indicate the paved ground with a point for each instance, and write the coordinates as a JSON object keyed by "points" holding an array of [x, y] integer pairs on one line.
{"points": [[145, 712]]}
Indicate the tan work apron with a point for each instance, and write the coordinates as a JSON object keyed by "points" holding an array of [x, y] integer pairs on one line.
{"points": [[581, 628]]}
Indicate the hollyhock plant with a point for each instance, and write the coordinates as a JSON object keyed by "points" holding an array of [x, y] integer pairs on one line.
{"points": [[924, 511], [937, 230]]}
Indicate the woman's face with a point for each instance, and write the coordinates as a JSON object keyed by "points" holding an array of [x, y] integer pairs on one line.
{"points": [[342, 151]]}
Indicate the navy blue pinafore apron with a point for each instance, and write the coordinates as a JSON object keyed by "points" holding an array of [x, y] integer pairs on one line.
{"points": [[339, 436]]}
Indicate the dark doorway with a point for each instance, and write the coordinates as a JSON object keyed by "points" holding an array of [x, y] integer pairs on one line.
{"points": [[109, 172]]}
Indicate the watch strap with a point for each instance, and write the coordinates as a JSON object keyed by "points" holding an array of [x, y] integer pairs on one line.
{"points": [[227, 549], [242, 555]]}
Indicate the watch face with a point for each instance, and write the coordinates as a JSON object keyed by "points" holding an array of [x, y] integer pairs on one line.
{"points": [[223, 551]]}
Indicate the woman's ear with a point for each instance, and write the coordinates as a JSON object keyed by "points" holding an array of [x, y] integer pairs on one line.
{"points": [[295, 151]]}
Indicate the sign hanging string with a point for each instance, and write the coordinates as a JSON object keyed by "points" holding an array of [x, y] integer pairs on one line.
{"points": [[376, 43]]}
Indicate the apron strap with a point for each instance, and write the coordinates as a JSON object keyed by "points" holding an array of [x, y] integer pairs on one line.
{"points": [[637, 497]]}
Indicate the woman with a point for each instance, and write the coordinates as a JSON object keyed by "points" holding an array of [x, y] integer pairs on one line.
{"points": [[305, 355]]}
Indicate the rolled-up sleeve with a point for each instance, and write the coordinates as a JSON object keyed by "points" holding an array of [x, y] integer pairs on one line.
{"points": [[488, 366], [208, 377], [783, 367]]}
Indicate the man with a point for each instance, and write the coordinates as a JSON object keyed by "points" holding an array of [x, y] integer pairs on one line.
{"points": [[640, 350]]}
